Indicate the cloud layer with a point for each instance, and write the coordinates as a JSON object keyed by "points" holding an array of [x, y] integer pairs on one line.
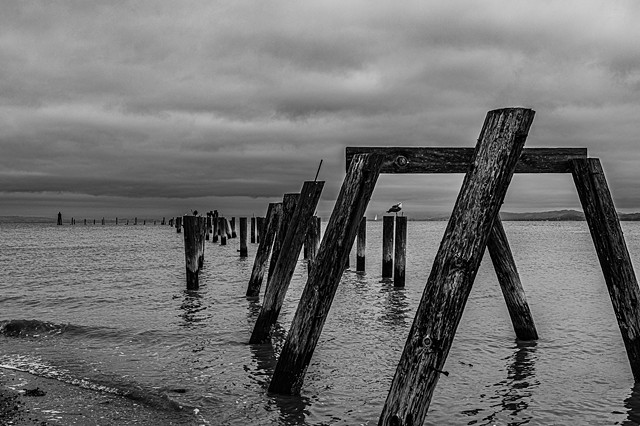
{"points": [[151, 105]]}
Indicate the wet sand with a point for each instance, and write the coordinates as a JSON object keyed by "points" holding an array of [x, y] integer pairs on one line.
{"points": [[26, 399]]}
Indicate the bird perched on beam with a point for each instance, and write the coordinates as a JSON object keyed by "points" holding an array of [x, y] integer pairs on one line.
{"points": [[395, 208]]}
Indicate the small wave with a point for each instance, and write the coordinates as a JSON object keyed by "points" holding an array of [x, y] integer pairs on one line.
{"points": [[30, 328]]}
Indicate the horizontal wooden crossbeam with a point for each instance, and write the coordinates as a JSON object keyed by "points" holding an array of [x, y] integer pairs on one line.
{"points": [[459, 160]]}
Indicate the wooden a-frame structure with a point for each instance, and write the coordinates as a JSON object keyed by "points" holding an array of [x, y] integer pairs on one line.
{"points": [[474, 225]]}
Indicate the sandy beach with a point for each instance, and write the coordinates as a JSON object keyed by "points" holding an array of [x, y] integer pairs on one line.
{"points": [[26, 399]]}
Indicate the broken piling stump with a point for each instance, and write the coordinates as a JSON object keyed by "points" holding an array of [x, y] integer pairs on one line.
{"points": [[194, 230], [387, 246], [400, 252], [243, 237]]}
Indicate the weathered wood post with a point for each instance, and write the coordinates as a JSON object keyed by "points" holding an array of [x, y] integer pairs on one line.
{"points": [[161, 223], [85, 221], [59, 218], [259, 226], [274, 213], [253, 230], [233, 227], [243, 237], [135, 220], [312, 242], [510, 283], [361, 245], [325, 275], [193, 248], [215, 227], [387, 246], [400, 252], [611, 248], [209, 227], [222, 231], [178, 224], [227, 228], [279, 280], [103, 221], [455, 266], [289, 202]]}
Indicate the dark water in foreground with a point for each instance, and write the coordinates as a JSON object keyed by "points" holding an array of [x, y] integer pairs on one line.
{"points": [[107, 309]]}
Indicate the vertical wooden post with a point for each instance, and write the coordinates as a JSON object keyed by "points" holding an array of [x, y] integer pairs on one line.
{"points": [[400, 252], [612, 251], [259, 226], [103, 221], [222, 231], [161, 223], [59, 218], [361, 245], [193, 248], [455, 266], [227, 228], [387, 246], [253, 230], [289, 202], [243, 237], [135, 221], [278, 282], [233, 227], [274, 213], [325, 276], [85, 221], [215, 227], [510, 283], [209, 227]]}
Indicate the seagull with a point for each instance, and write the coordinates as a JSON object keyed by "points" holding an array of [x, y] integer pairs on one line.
{"points": [[395, 208]]}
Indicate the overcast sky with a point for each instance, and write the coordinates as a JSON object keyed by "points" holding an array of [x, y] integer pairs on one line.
{"points": [[158, 107]]}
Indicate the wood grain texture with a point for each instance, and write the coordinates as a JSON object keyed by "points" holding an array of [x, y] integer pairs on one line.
{"points": [[285, 265], [459, 160], [510, 284], [289, 203], [387, 246], [455, 266], [194, 230], [400, 252], [313, 241], [274, 212], [322, 284], [613, 254], [361, 245]]}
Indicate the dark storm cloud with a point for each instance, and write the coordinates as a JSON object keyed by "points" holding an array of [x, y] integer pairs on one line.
{"points": [[167, 101]]}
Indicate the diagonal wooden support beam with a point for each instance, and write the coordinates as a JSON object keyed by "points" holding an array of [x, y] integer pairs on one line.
{"points": [[459, 160], [454, 269], [510, 283], [611, 248], [289, 202], [274, 214], [285, 265], [325, 275]]}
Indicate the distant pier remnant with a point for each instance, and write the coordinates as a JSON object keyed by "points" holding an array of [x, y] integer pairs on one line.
{"points": [[233, 227], [194, 230], [209, 226], [400, 251], [59, 218], [243, 237], [253, 230], [222, 231], [178, 224], [387, 246]]}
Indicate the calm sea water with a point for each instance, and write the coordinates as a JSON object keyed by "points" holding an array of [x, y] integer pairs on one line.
{"points": [[105, 307]]}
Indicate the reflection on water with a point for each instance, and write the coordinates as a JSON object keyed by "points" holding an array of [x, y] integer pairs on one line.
{"points": [[515, 392], [191, 307], [293, 409], [395, 305]]}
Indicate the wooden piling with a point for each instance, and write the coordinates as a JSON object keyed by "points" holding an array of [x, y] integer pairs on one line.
{"points": [[222, 231], [161, 223], [289, 202], [312, 242], [243, 237], [85, 221], [135, 221], [455, 266], [178, 224], [233, 227], [510, 283], [209, 227], [103, 221], [227, 228], [327, 270], [387, 246], [274, 213], [278, 283], [612, 251], [215, 227], [59, 218], [259, 226], [194, 230], [361, 245], [400, 252], [253, 230]]}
